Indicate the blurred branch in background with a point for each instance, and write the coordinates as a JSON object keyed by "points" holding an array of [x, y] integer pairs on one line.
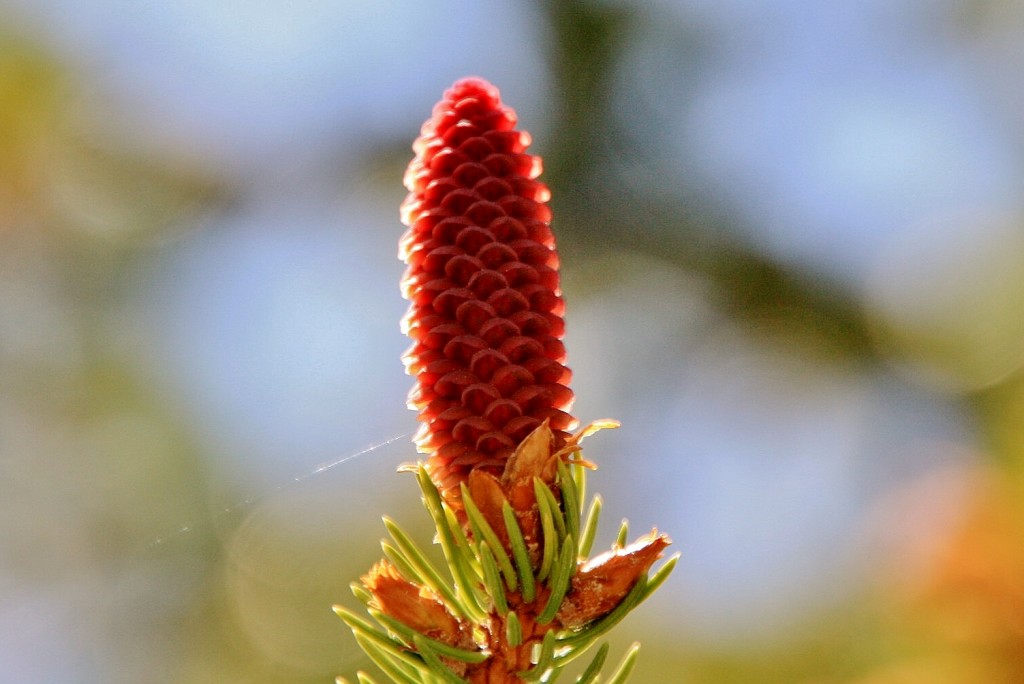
{"points": [[599, 165]]}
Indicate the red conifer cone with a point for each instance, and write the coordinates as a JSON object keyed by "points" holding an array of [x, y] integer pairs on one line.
{"points": [[482, 278]]}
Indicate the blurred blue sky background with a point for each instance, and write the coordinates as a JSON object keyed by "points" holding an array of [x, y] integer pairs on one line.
{"points": [[792, 255]]}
